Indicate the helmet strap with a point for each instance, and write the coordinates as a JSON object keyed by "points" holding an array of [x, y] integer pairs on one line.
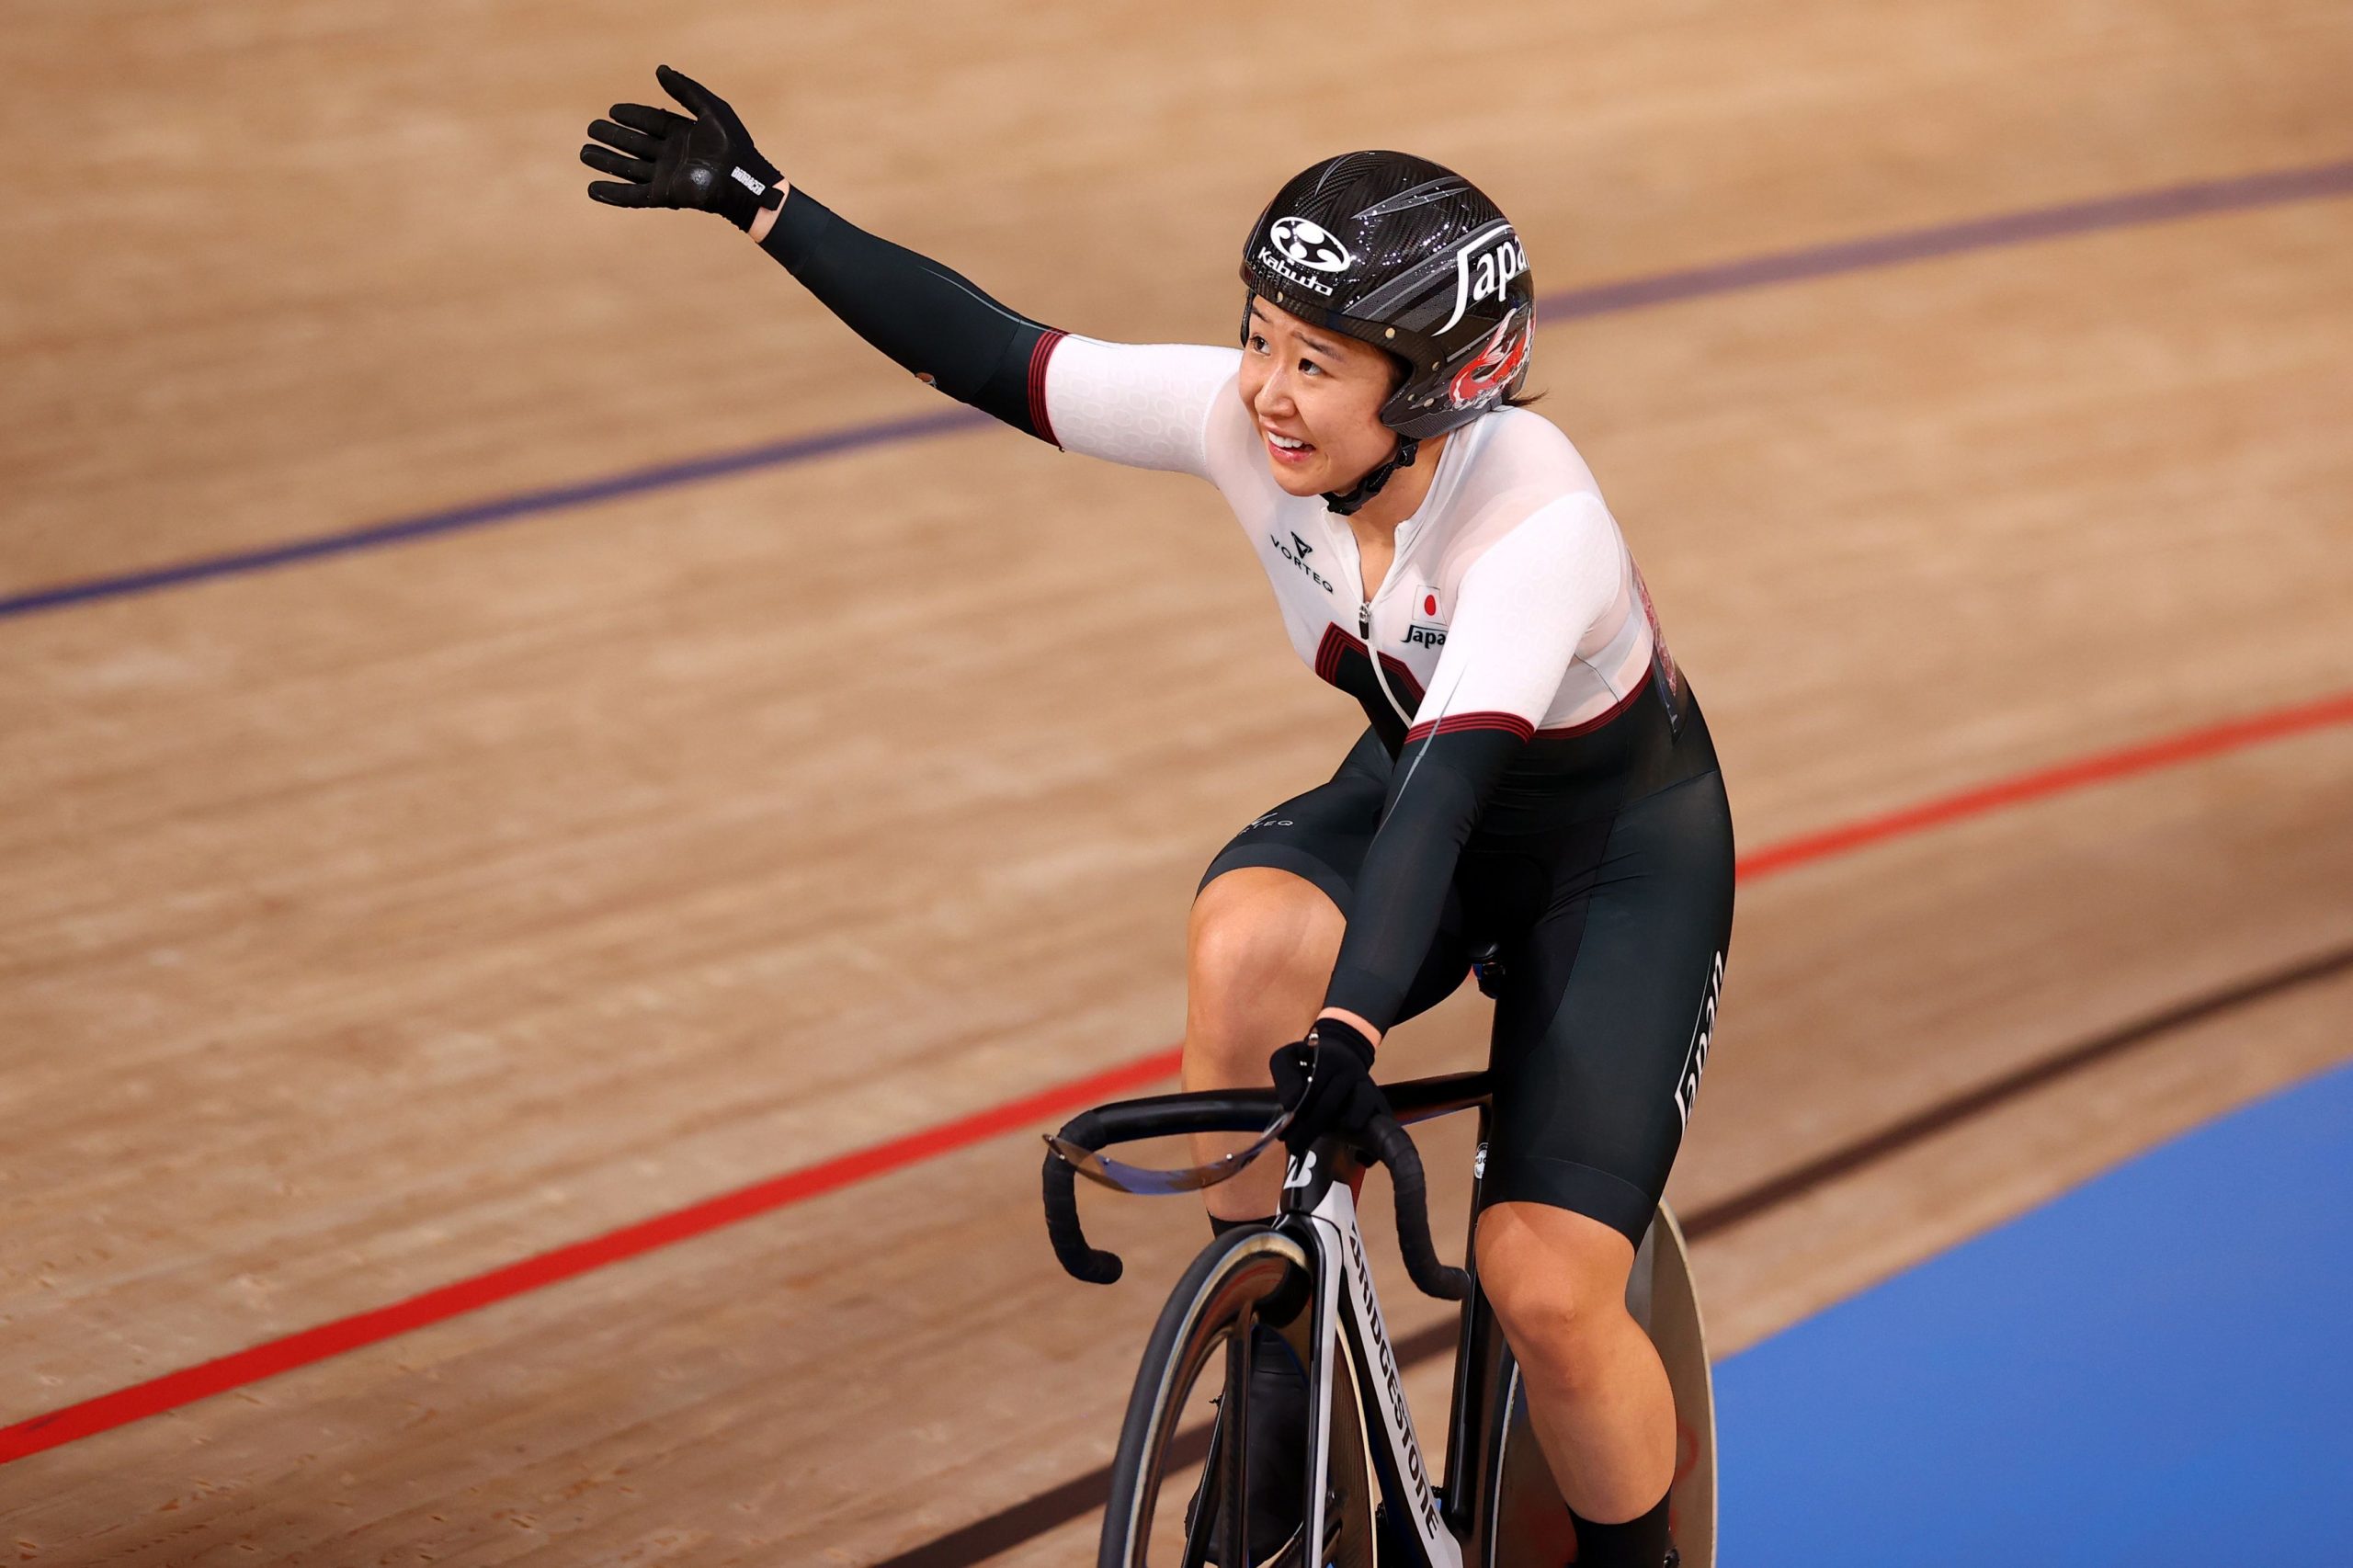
{"points": [[1347, 503]]}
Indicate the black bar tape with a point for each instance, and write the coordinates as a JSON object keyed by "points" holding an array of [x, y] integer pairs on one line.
{"points": [[1079, 1259], [1395, 1148]]}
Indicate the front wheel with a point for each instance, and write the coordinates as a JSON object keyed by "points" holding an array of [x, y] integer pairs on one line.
{"points": [[1184, 1445]]}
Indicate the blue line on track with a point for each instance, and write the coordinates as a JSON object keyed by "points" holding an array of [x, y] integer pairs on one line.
{"points": [[2243, 193], [2151, 1370]]}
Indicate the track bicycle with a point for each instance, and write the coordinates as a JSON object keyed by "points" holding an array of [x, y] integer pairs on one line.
{"points": [[1369, 1498]]}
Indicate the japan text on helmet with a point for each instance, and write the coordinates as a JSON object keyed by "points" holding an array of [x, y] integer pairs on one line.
{"points": [[1410, 258]]}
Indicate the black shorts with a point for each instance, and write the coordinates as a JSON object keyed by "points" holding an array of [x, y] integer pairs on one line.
{"points": [[1612, 934]]}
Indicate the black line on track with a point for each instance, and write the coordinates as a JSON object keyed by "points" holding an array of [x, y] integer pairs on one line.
{"points": [[1949, 1112], [1010, 1526]]}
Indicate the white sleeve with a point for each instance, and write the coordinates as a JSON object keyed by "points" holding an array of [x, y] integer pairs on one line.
{"points": [[1144, 405], [1524, 606]]}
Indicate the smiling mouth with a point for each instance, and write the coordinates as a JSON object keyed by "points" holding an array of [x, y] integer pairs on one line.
{"points": [[1287, 449]]}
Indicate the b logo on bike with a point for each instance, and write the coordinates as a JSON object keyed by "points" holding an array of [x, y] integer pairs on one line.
{"points": [[1695, 1058]]}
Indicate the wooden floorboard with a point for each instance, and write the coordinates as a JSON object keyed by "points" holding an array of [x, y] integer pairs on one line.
{"points": [[374, 922]]}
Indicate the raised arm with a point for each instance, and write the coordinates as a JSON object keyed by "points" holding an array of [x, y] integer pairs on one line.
{"points": [[1144, 406], [930, 321]]}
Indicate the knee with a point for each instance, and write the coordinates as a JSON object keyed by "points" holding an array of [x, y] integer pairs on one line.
{"points": [[1256, 929], [1557, 1282], [1259, 948]]}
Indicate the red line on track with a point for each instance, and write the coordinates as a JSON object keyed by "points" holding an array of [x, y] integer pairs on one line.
{"points": [[2098, 768], [187, 1386], [191, 1384]]}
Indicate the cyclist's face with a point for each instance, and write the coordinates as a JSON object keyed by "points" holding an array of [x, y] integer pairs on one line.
{"points": [[1316, 397]]}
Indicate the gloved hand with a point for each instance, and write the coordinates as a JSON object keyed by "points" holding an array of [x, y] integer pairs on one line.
{"points": [[1341, 1095], [668, 160]]}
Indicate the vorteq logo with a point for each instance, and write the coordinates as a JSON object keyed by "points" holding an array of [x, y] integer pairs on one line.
{"points": [[1304, 550], [1311, 245]]}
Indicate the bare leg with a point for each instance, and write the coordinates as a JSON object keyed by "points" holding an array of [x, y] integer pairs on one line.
{"points": [[1596, 1393], [1259, 955]]}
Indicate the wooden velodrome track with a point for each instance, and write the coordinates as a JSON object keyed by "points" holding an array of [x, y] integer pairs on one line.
{"points": [[377, 920]]}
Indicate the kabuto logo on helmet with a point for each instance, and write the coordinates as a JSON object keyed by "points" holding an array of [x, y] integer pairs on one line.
{"points": [[1309, 245], [1485, 267]]}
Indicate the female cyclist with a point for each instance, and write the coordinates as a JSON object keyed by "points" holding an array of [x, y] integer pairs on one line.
{"points": [[1537, 783]]}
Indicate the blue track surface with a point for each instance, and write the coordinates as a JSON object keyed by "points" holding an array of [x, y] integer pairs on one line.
{"points": [[2156, 1368]]}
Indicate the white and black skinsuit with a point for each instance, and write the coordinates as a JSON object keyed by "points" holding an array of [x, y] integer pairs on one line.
{"points": [[1536, 780]]}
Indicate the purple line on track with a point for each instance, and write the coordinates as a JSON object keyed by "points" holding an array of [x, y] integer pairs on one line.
{"points": [[2274, 188], [2243, 193], [505, 508]]}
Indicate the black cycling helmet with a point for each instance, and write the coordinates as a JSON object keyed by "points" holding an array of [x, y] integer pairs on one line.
{"points": [[1411, 257]]}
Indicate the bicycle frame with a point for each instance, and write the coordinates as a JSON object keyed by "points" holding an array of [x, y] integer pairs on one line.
{"points": [[1493, 1498], [1319, 1210]]}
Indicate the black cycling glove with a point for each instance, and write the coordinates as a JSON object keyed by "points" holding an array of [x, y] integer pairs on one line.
{"points": [[666, 159], [1340, 1096]]}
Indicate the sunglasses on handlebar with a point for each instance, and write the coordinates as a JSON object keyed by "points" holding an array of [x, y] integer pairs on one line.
{"points": [[1151, 1181]]}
